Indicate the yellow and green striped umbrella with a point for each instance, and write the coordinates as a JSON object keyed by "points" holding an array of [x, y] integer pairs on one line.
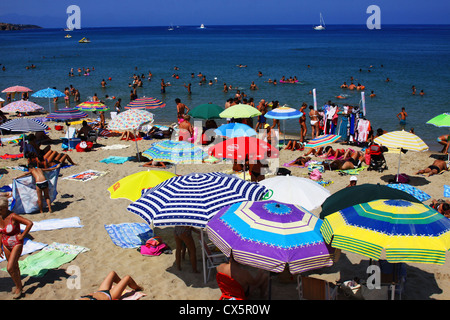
{"points": [[408, 232]]}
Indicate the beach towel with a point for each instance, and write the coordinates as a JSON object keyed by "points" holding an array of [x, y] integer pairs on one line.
{"points": [[292, 164], [446, 191], [11, 156], [114, 147], [325, 183], [129, 235], [86, 175], [351, 171], [116, 159], [54, 224], [29, 246], [24, 192]]}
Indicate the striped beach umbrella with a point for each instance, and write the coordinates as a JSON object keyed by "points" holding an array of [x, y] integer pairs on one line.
{"points": [[22, 106], [270, 235], [234, 130], [66, 114], [401, 140], [193, 199], [322, 141], [442, 120], [283, 113], [24, 125], [406, 231], [145, 103], [240, 111], [92, 106]]}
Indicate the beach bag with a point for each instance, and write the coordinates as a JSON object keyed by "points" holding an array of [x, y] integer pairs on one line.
{"points": [[153, 247], [402, 178], [315, 175]]}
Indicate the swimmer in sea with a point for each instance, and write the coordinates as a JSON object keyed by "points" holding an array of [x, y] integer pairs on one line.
{"points": [[402, 117]]}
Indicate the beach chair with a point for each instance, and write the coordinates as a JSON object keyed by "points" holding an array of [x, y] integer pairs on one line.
{"points": [[92, 136], [393, 276], [210, 259], [70, 140], [310, 288], [230, 288]]}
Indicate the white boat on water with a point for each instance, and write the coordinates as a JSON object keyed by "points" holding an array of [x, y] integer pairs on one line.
{"points": [[321, 26], [171, 28], [202, 26]]}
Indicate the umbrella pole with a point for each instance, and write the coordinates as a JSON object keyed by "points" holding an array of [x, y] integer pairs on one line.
{"points": [[398, 169], [137, 148], [203, 255]]}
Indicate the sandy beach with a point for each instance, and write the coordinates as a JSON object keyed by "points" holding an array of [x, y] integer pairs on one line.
{"points": [[91, 202]]}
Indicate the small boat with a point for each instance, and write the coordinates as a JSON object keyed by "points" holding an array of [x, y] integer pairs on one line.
{"points": [[84, 40], [321, 26], [171, 28], [67, 36], [67, 29], [202, 26]]}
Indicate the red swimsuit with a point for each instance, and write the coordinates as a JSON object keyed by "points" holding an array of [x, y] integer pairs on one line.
{"points": [[9, 235]]}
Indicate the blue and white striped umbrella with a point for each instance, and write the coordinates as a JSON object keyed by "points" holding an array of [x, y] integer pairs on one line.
{"points": [[193, 199], [24, 125], [283, 113]]}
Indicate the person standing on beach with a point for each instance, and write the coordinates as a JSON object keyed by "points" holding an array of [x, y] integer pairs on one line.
{"points": [[182, 109], [184, 239], [12, 242], [402, 117], [314, 118], [302, 122]]}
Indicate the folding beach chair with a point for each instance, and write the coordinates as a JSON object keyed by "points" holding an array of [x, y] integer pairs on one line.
{"points": [[310, 288], [230, 288]]}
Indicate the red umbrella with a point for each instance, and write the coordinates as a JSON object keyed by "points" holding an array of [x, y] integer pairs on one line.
{"points": [[17, 89], [244, 148]]}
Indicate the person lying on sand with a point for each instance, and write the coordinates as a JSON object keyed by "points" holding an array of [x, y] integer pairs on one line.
{"points": [[154, 164], [106, 291], [437, 167]]}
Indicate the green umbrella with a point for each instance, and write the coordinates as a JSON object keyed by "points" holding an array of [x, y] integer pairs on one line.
{"points": [[351, 196], [239, 111], [442, 120], [206, 111]]}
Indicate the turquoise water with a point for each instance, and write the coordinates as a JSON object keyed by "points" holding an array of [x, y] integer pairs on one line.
{"points": [[408, 55]]}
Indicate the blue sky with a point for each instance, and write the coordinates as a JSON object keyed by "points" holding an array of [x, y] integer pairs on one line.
{"points": [[104, 13]]}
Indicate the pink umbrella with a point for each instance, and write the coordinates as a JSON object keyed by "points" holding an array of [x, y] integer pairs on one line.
{"points": [[17, 89]]}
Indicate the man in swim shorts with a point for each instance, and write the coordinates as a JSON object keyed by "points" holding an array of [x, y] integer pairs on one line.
{"points": [[262, 107], [437, 167], [402, 117]]}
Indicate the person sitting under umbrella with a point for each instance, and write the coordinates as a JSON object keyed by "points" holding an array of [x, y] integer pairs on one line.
{"points": [[248, 282], [437, 167], [445, 141]]}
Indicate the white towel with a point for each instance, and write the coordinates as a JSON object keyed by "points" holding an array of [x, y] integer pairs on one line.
{"points": [[114, 147], [53, 224]]}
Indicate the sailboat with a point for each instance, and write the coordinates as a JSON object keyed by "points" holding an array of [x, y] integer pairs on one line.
{"points": [[321, 26], [84, 40], [202, 26], [170, 28]]}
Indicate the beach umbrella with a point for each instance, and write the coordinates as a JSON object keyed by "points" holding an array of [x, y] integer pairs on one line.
{"points": [[145, 103], [401, 140], [407, 232], [132, 186], [177, 152], [362, 193], [234, 130], [283, 113], [66, 114], [15, 89], [206, 111], [48, 93], [21, 106], [239, 111], [131, 120], [243, 148], [92, 106], [322, 141], [417, 193], [23, 125], [193, 199], [442, 120], [270, 235], [295, 190]]}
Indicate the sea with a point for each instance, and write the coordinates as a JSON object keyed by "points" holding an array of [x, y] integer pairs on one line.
{"points": [[409, 55]]}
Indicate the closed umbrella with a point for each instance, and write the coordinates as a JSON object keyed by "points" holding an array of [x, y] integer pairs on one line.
{"points": [[283, 113], [234, 130], [322, 141], [48, 93], [206, 111], [401, 140], [270, 235], [407, 232], [240, 111], [362, 193], [21, 106], [193, 199], [145, 103], [295, 190]]}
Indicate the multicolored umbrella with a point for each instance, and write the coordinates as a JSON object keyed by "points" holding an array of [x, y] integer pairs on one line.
{"points": [[131, 187], [417, 193], [193, 199], [442, 120], [269, 234], [401, 140], [408, 232], [92, 106], [244, 148], [322, 141], [295, 190], [177, 152], [145, 103], [240, 111], [24, 125], [66, 114], [206, 111], [234, 130], [131, 119], [22, 106], [14, 89], [361, 193]]}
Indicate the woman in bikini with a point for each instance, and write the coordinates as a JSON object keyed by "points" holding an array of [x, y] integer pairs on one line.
{"points": [[12, 242], [106, 291]]}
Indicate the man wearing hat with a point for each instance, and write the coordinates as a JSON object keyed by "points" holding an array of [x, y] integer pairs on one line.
{"points": [[353, 180]]}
